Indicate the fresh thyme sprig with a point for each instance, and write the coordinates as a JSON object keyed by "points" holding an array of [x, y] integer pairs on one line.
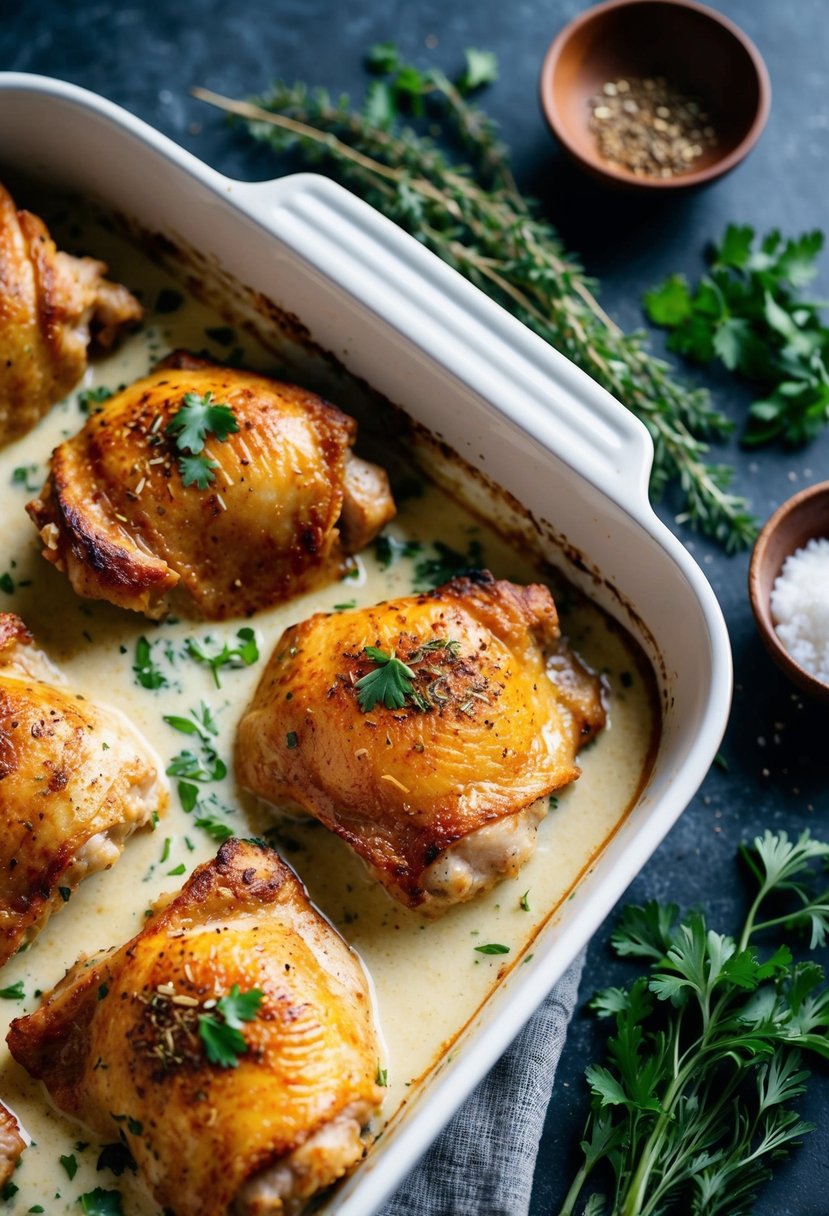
{"points": [[691, 1107], [474, 217]]}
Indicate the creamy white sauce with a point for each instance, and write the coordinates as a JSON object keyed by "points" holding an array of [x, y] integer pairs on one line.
{"points": [[428, 978]]}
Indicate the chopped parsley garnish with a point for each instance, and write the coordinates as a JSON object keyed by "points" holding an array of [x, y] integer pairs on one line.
{"points": [[176, 870], [201, 722], [189, 428], [221, 1030], [188, 795], [387, 549], [101, 1203], [524, 902], [292, 740], [88, 397], [20, 477], [449, 562], [216, 829], [7, 583], [65, 894], [243, 655], [382, 1077], [492, 948], [390, 683], [70, 1164], [146, 672], [187, 764], [117, 1158], [345, 607], [14, 992]]}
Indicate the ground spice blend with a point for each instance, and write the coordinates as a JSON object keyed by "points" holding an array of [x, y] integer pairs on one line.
{"points": [[649, 128]]}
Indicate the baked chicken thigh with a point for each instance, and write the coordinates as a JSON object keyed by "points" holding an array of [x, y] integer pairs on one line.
{"points": [[52, 305], [12, 1144], [75, 782], [235, 1031], [268, 509], [427, 732]]}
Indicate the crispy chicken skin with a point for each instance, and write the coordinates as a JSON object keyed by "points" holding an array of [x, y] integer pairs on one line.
{"points": [[12, 1144], [116, 516], [441, 798], [67, 803], [51, 306], [256, 1139]]}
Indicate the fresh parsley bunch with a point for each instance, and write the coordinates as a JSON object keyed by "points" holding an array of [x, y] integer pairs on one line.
{"points": [[692, 1107], [749, 313]]}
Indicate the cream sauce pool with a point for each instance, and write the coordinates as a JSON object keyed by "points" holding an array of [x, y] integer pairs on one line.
{"points": [[428, 977]]}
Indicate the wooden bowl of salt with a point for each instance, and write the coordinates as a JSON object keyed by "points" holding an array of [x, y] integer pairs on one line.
{"points": [[788, 586]]}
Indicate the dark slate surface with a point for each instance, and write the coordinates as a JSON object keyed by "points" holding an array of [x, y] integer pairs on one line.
{"points": [[145, 56]]}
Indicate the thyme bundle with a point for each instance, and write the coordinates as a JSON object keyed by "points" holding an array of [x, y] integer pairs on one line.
{"points": [[474, 217]]}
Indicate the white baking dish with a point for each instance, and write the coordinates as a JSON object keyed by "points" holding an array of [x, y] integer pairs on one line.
{"points": [[537, 426]]}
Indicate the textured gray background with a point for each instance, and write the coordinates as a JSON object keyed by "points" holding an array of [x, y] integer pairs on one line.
{"points": [[146, 55]]}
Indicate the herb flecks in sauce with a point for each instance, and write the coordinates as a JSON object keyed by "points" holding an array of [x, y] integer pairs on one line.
{"points": [[243, 655]]}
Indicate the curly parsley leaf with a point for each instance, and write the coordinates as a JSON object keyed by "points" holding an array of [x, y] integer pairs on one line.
{"points": [[748, 313], [390, 683], [221, 1029], [196, 419]]}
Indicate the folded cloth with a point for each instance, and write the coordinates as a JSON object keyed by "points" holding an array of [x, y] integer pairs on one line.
{"points": [[482, 1164]]}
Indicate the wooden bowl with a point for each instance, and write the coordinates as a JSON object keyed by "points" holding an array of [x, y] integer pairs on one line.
{"points": [[700, 54], [799, 520]]}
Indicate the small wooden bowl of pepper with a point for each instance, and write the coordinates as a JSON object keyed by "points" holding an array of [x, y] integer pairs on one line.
{"points": [[654, 94]]}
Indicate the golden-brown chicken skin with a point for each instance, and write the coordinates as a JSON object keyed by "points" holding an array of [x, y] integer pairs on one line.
{"points": [[283, 1119], [51, 306], [75, 781], [442, 794], [12, 1144], [116, 515]]}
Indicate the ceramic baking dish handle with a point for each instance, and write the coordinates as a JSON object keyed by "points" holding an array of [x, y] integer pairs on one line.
{"points": [[435, 307]]}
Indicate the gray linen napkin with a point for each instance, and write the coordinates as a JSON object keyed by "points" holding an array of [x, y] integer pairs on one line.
{"points": [[482, 1164]]}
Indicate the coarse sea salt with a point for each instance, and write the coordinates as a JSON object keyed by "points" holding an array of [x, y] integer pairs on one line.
{"points": [[800, 607]]}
